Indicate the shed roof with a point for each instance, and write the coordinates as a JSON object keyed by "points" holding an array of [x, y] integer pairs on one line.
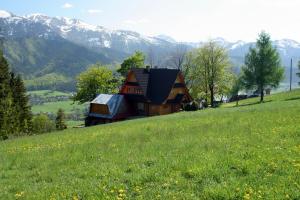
{"points": [[113, 101]]}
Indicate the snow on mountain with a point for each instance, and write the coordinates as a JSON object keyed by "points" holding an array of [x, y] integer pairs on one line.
{"points": [[166, 38], [5, 14], [286, 43], [237, 44], [124, 41], [99, 37], [221, 41], [82, 33]]}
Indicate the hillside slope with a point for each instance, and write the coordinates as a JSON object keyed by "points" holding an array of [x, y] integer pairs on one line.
{"points": [[249, 152], [39, 56]]}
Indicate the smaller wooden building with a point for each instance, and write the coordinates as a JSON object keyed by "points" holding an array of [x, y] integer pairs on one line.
{"points": [[145, 92], [107, 108]]}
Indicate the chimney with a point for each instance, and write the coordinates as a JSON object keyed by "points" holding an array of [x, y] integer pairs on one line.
{"points": [[148, 68]]}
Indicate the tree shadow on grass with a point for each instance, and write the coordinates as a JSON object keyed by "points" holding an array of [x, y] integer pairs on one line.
{"points": [[292, 99], [253, 103]]}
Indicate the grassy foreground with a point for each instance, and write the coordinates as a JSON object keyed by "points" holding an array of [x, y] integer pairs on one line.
{"points": [[246, 152]]}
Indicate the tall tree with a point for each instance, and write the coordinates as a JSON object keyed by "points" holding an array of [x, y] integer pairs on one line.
{"points": [[211, 71], [137, 60], [262, 66], [97, 79], [5, 99], [299, 71], [21, 107], [60, 120]]}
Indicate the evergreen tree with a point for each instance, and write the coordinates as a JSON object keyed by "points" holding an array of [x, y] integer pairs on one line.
{"points": [[262, 66], [15, 114], [22, 110], [5, 99], [60, 120], [299, 71]]}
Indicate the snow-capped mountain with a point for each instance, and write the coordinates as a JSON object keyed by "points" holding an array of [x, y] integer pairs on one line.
{"points": [[32, 32], [77, 31], [98, 37]]}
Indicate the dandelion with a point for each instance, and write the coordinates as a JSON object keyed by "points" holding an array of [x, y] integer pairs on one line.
{"points": [[247, 196], [75, 198], [121, 191], [20, 194]]}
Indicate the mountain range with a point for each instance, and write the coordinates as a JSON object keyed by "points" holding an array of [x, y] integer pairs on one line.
{"points": [[43, 48]]}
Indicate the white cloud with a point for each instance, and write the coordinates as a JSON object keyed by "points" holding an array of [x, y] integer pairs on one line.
{"points": [[67, 6], [94, 11], [135, 22]]}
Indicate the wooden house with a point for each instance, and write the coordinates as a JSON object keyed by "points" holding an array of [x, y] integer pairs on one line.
{"points": [[145, 92]]}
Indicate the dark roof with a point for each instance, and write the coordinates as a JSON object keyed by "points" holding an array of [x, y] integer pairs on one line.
{"points": [[142, 76], [156, 83]]}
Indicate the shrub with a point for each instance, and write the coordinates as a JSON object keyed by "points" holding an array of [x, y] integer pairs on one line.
{"points": [[193, 106], [42, 124]]}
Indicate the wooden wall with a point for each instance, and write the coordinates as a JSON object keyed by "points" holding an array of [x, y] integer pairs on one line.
{"points": [[161, 109], [99, 108]]}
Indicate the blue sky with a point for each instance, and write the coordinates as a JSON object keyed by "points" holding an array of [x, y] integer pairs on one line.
{"points": [[184, 20]]}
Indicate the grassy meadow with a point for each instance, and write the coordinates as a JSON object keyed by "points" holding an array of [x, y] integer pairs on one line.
{"points": [[246, 152], [52, 107]]}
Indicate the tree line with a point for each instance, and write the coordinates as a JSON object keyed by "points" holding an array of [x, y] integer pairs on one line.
{"points": [[207, 70], [15, 114], [16, 118]]}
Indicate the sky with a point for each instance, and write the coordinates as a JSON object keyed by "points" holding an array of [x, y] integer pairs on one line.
{"points": [[184, 20]]}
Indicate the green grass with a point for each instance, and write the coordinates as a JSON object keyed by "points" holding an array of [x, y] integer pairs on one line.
{"points": [[283, 96], [71, 123], [52, 107], [246, 152]]}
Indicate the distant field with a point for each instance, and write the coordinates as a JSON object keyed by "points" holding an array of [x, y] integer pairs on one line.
{"points": [[69, 107], [52, 107], [246, 152], [49, 93]]}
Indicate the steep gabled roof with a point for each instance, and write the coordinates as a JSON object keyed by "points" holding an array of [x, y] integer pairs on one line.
{"points": [[156, 83], [142, 76], [160, 84]]}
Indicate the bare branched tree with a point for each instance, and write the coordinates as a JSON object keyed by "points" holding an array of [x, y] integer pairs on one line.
{"points": [[150, 57], [178, 56]]}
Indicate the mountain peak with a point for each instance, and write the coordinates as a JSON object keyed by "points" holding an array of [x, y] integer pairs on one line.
{"points": [[5, 14], [166, 38], [287, 42]]}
